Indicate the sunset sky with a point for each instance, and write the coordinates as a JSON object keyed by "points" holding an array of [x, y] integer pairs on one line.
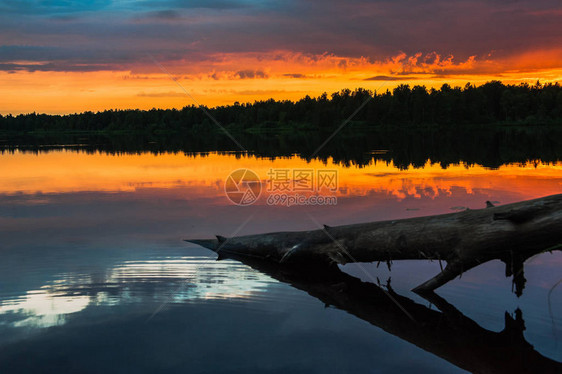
{"points": [[71, 56]]}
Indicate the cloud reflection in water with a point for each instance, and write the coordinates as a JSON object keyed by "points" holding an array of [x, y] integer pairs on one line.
{"points": [[177, 280]]}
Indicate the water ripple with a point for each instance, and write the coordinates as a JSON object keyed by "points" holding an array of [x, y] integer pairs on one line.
{"points": [[165, 280]]}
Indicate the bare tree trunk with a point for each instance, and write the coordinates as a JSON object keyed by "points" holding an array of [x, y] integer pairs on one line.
{"points": [[511, 233]]}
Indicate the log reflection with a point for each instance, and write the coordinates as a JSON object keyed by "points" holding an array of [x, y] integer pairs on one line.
{"points": [[446, 332]]}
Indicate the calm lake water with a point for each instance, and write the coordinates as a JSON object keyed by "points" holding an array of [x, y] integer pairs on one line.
{"points": [[95, 275]]}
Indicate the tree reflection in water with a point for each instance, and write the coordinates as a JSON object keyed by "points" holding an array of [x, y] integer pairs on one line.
{"points": [[446, 332]]}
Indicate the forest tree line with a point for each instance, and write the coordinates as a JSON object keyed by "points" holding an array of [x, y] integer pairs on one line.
{"points": [[491, 103]]}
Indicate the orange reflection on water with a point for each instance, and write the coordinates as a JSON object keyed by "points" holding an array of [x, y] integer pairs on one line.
{"points": [[70, 171]]}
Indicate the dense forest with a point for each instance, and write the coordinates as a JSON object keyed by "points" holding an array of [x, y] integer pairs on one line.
{"points": [[491, 103], [489, 146]]}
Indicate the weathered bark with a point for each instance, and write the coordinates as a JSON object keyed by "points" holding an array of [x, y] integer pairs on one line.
{"points": [[511, 233], [446, 332]]}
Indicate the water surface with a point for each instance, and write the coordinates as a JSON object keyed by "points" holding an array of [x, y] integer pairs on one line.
{"points": [[95, 276]]}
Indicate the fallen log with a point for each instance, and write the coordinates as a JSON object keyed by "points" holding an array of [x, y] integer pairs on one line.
{"points": [[511, 233]]}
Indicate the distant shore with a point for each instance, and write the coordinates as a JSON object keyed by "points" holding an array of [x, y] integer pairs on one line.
{"points": [[491, 104]]}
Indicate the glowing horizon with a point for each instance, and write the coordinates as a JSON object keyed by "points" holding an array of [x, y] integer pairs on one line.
{"points": [[67, 171], [77, 92], [100, 55]]}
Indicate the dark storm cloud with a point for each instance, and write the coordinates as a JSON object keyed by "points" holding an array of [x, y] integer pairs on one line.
{"points": [[250, 74], [10, 67], [295, 75], [96, 34], [24, 52], [387, 78]]}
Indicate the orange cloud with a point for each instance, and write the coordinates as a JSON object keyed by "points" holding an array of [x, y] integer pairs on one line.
{"points": [[244, 77]]}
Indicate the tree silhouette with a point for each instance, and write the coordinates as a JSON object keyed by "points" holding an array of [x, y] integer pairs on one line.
{"points": [[491, 103]]}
